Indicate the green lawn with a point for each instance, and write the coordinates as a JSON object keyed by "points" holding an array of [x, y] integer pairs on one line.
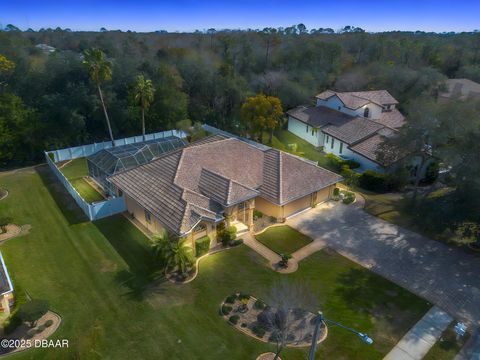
{"points": [[282, 138], [434, 217], [448, 346], [97, 276], [74, 171], [283, 239]]}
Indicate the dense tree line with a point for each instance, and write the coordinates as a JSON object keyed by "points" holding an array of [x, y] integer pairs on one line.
{"points": [[48, 100]]}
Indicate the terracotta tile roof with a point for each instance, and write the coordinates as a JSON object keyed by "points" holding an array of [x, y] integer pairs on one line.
{"points": [[356, 99], [189, 184], [392, 119], [318, 116], [353, 131]]}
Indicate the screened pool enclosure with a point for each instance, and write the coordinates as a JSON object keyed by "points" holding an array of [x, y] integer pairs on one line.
{"points": [[108, 162]]}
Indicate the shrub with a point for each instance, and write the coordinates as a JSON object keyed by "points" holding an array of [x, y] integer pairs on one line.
{"points": [[371, 180], [234, 319], [32, 311], [348, 197], [236, 242], [4, 221], [337, 163], [243, 325], [226, 309], [352, 164], [258, 330], [259, 305], [244, 296], [257, 214], [336, 192], [48, 323], [202, 246], [264, 318], [230, 299], [41, 328], [11, 323], [228, 235], [431, 173]]}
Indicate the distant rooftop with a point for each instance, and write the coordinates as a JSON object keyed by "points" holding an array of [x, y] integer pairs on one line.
{"points": [[461, 88]]}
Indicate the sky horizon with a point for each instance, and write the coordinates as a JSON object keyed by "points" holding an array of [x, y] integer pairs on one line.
{"points": [[188, 15]]}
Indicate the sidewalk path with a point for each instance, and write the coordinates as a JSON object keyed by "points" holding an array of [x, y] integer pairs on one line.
{"points": [[421, 337]]}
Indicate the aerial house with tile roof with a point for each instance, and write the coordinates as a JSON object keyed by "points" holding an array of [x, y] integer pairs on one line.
{"points": [[349, 124], [219, 178]]}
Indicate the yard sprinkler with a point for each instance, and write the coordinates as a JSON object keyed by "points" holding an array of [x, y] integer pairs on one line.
{"points": [[318, 321]]}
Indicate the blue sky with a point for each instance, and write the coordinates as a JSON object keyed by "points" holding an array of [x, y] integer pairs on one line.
{"points": [[187, 15]]}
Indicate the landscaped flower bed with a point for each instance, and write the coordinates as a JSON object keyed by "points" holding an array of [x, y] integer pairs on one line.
{"points": [[252, 317]]}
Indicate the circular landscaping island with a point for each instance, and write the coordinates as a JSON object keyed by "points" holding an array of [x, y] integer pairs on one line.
{"points": [[257, 319]]}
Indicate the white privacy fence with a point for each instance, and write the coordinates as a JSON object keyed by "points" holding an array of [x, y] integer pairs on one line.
{"points": [[108, 207]]}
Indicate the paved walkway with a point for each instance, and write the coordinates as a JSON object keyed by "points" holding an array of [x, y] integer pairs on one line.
{"points": [[447, 277], [422, 336]]}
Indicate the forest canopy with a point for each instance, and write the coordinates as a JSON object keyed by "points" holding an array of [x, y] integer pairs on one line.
{"points": [[47, 98]]}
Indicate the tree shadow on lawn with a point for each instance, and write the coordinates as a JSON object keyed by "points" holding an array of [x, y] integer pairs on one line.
{"points": [[144, 270], [67, 205]]}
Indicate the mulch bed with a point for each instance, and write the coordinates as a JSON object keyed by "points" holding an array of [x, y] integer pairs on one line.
{"points": [[242, 312]]}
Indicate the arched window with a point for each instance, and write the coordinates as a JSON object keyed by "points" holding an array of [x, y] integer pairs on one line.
{"points": [[366, 112]]}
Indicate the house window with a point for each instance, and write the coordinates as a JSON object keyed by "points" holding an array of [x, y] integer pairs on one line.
{"points": [[120, 193], [307, 128], [200, 228], [366, 112], [341, 147], [327, 139], [339, 107], [333, 143], [148, 216], [313, 131]]}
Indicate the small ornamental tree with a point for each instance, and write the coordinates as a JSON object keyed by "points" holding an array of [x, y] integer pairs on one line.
{"points": [[33, 310]]}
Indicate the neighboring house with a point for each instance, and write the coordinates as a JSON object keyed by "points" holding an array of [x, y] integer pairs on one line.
{"points": [[110, 161], [47, 49], [6, 289], [460, 89], [351, 125], [219, 178]]}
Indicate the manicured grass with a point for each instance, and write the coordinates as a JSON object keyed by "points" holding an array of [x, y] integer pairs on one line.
{"points": [[74, 171], [448, 346], [282, 138], [433, 217], [283, 239], [98, 277]]}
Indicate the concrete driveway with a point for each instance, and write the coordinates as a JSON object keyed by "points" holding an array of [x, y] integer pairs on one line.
{"points": [[447, 277]]}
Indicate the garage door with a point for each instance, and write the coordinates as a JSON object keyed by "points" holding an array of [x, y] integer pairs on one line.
{"points": [[297, 205]]}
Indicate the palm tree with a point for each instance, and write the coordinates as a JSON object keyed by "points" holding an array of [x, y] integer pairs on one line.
{"points": [[175, 253], [100, 70], [143, 96]]}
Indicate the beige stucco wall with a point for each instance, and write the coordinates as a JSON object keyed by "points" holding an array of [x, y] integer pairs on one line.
{"points": [[138, 213], [281, 212]]}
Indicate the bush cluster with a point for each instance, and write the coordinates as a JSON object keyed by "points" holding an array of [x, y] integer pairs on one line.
{"points": [[379, 182], [226, 309], [338, 163], [348, 197], [258, 330], [226, 234], [202, 246], [234, 319]]}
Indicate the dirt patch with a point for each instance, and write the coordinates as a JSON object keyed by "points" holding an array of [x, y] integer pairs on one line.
{"points": [[10, 231], [108, 266], [267, 356], [27, 336]]}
